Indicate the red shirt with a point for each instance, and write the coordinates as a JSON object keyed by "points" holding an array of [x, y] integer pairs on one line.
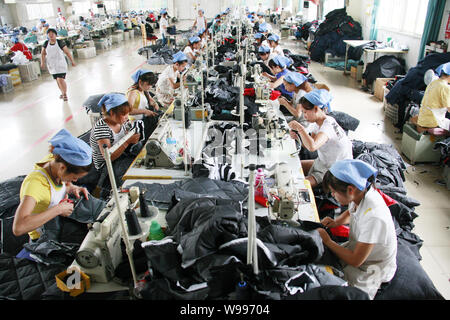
{"points": [[21, 47]]}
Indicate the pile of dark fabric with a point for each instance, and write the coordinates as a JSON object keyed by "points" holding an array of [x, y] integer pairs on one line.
{"points": [[412, 87], [384, 67], [444, 147], [338, 26], [161, 56], [304, 30], [204, 253]]}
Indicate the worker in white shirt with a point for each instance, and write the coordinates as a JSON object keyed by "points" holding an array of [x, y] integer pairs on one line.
{"points": [[200, 22], [369, 257], [167, 81], [192, 48], [276, 48], [163, 25]]}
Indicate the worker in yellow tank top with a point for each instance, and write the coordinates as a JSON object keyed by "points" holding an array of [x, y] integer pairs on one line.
{"points": [[436, 102], [44, 189]]}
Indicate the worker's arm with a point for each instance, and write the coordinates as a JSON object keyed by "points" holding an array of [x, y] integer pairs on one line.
{"points": [[67, 52], [43, 56], [151, 101], [278, 82], [25, 221], [116, 154], [312, 143], [355, 257], [296, 112], [344, 218]]}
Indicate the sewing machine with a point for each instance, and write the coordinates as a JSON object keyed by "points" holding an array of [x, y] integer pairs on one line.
{"points": [[100, 252], [159, 152]]}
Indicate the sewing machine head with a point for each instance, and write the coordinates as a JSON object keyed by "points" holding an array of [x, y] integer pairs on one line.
{"points": [[160, 153]]}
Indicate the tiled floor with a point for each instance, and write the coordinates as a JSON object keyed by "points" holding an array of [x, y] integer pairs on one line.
{"points": [[33, 113]]}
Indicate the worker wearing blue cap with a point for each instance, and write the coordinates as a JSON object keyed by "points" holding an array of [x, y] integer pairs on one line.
{"points": [[261, 40], [278, 65], [274, 44], [266, 55], [369, 256], [167, 81], [111, 128], [163, 25], [192, 49], [43, 190], [295, 82], [142, 104], [436, 102], [323, 135], [200, 22]]}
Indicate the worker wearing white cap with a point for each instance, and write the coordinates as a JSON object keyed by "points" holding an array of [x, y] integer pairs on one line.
{"points": [[167, 81], [44, 189], [369, 257]]}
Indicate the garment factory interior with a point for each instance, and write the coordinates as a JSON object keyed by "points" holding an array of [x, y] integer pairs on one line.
{"points": [[373, 85]]}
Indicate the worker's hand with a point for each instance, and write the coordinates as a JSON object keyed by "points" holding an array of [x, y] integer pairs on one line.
{"points": [[265, 74], [73, 64], [77, 191], [150, 113], [294, 125], [293, 135], [134, 138], [42, 66], [65, 208], [283, 101], [324, 235], [328, 222]]}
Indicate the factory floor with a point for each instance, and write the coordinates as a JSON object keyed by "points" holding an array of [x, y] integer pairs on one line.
{"points": [[33, 113]]}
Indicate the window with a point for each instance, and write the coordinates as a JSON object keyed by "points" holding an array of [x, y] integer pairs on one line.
{"points": [[39, 10], [403, 16], [111, 6], [81, 7]]}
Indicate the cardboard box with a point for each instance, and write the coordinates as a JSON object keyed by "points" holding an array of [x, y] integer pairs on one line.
{"points": [[378, 87], [353, 71], [27, 72]]}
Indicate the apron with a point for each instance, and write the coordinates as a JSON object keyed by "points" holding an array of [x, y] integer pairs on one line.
{"points": [[56, 62], [55, 198], [439, 115], [201, 23]]}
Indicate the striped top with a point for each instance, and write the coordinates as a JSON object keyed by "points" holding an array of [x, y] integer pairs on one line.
{"points": [[100, 131]]}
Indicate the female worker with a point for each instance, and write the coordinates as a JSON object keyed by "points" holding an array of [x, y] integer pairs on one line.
{"points": [[200, 21], [327, 137], [139, 99], [167, 81], [192, 48], [436, 102], [266, 56], [111, 128], [261, 40], [19, 46], [278, 65], [163, 25], [44, 189], [52, 54], [369, 257], [276, 48]]}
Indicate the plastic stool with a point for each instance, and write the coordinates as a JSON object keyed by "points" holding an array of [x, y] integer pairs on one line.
{"points": [[418, 147]]}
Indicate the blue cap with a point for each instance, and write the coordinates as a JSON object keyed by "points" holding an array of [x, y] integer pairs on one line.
{"points": [[112, 100], [281, 61], [201, 31], [260, 14], [274, 37], [179, 56], [46, 24], [296, 78], [319, 97], [203, 11], [443, 68], [42, 20], [34, 29], [263, 49], [135, 76], [163, 11], [258, 35], [73, 150], [194, 39], [14, 39], [263, 27], [353, 171]]}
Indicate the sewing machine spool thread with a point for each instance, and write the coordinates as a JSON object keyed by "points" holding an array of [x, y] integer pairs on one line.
{"points": [[143, 205], [134, 228]]}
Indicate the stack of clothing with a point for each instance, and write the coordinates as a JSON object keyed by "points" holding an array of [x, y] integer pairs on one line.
{"points": [[330, 36]]}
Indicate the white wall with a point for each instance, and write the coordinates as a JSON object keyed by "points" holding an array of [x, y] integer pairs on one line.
{"points": [[5, 13]]}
